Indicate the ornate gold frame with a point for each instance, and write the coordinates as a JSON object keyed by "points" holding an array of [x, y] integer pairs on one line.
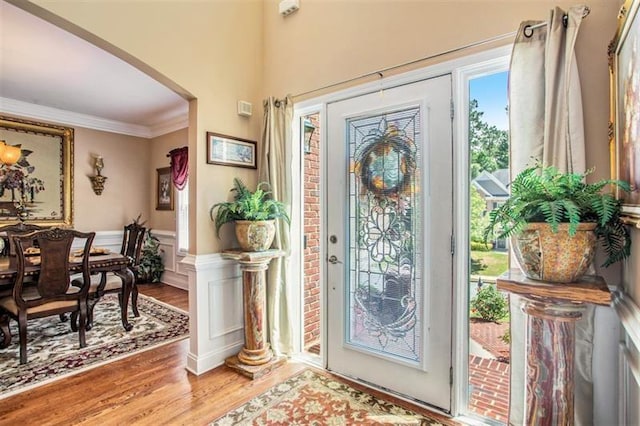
{"points": [[62, 214], [622, 161]]}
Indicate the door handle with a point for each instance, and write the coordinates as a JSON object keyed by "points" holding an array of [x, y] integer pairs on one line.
{"points": [[333, 260]]}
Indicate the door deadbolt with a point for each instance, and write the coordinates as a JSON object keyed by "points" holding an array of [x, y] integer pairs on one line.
{"points": [[333, 239]]}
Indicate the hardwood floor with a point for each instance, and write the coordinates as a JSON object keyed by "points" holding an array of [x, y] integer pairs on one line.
{"points": [[152, 387]]}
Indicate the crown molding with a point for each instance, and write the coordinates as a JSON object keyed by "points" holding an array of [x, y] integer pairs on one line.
{"points": [[39, 112], [169, 125]]}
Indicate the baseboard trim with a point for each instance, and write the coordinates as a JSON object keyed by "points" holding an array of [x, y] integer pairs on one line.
{"points": [[175, 280], [203, 363]]}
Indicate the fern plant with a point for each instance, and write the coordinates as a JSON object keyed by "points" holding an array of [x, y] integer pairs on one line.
{"points": [[543, 194], [248, 205], [150, 268]]}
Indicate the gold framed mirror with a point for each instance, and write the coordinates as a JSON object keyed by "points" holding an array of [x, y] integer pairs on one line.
{"points": [[624, 64], [38, 186]]}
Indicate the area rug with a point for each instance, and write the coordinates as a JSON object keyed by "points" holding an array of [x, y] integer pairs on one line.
{"points": [[54, 352], [310, 398]]}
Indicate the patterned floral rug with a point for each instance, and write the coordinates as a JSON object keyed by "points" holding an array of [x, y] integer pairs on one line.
{"points": [[310, 398], [54, 351]]}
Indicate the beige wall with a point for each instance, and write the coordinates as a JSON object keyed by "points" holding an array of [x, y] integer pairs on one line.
{"points": [[329, 41], [213, 49], [126, 191], [160, 147]]}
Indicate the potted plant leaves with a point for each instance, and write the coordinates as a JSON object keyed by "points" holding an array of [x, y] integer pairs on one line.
{"points": [[554, 221], [254, 214], [150, 268]]}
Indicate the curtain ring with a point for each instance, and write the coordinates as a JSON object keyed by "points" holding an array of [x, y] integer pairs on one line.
{"points": [[528, 31]]}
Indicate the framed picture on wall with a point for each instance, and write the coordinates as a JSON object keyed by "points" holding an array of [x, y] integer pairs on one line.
{"points": [[164, 189], [624, 60], [231, 151], [38, 178]]}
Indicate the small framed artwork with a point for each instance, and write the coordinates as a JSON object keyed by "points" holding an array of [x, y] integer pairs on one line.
{"points": [[164, 191], [624, 60], [231, 151]]}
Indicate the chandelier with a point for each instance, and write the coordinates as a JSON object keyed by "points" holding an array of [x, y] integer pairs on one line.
{"points": [[10, 155]]}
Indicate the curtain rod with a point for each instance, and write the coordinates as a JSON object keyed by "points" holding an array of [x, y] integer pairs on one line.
{"points": [[528, 29], [381, 72]]}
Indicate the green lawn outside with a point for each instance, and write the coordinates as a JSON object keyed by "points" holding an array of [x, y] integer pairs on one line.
{"points": [[497, 262]]}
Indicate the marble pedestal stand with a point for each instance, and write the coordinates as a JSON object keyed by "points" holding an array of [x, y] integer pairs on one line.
{"points": [[552, 310], [255, 359]]}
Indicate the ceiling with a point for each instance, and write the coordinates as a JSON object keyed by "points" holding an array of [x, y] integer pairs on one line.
{"points": [[44, 69]]}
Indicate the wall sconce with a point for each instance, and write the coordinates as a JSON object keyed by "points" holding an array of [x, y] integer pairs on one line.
{"points": [[308, 129], [97, 181]]}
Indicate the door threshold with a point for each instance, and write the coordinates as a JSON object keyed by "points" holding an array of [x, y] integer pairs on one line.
{"points": [[421, 404]]}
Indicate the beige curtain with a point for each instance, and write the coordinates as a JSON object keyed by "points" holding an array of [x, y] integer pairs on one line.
{"points": [[275, 168], [546, 124]]}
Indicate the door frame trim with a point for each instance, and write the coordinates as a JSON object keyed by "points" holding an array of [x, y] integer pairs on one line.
{"points": [[461, 70], [461, 188]]}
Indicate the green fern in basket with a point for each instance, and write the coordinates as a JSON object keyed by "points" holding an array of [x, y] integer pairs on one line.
{"points": [[248, 205], [543, 194]]}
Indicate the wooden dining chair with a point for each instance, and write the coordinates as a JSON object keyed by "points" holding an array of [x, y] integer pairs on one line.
{"points": [[7, 233], [108, 282], [16, 229], [52, 293]]}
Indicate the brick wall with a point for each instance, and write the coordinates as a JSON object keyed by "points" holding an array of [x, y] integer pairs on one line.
{"points": [[311, 179]]}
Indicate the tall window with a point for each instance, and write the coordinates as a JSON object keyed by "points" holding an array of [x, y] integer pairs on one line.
{"points": [[182, 221]]}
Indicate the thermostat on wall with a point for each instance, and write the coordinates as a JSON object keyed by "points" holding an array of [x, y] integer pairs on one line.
{"points": [[245, 108], [287, 7]]}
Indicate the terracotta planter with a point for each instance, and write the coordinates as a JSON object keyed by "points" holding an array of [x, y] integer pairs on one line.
{"points": [[255, 235], [556, 257]]}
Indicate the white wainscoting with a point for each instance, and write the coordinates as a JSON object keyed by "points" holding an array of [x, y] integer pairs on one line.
{"points": [[174, 272], [216, 323], [629, 357]]}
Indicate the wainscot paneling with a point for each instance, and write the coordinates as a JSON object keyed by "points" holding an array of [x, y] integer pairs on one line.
{"points": [[174, 274], [216, 323], [629, 358]]}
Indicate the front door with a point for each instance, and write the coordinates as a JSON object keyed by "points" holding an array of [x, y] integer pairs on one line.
{"points": [[389, 230]]}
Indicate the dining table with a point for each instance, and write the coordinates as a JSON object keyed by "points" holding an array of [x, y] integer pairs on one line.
{"points": [[107, 262]]}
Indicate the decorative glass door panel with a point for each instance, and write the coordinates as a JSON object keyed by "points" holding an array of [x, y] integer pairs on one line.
{"points": [[389, 223], [385, 292]]}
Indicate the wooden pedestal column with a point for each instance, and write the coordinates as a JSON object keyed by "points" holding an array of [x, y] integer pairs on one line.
{"points": [[552, 310], [256, 358]]}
